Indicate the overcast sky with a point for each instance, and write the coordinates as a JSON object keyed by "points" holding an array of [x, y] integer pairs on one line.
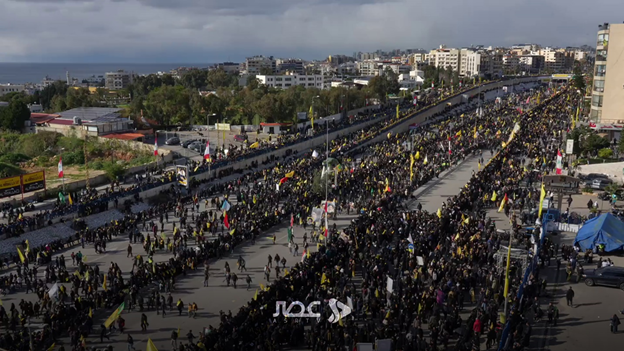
{"points": [[198, 31]]}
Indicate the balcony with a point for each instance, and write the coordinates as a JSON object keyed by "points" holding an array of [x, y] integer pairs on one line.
{"points": [[601, 58], [599, 89], [604, 43], [600, 74]]}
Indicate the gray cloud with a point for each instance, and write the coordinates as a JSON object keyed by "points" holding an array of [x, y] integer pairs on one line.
{"points": [[214, 30]]}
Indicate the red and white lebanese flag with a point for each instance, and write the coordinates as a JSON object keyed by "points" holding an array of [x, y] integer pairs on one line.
{"points": [[292, 220], [60, 167], [559, 162], [155, 144], [226, 220], [207, 151]]}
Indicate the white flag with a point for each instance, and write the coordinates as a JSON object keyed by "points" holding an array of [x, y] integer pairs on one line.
{"points": [[314, 154]]}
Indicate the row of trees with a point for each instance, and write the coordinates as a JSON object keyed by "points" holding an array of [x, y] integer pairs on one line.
{"points": [[169, 100]]}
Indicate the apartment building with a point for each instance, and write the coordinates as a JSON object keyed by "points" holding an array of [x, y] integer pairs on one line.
{"points": [[445, 58], [289, 65], [12, 88], [118, 80], [256, 64], [532, 63], [607, 102], [228, 67], [292, 79]]}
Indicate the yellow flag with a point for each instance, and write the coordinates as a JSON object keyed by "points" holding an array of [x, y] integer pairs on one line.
{"points": [[290, 174], [71, 201], [417, 155], [104, 284], [439, 213], [21, 255], [90, 312], [256, 295], [376, 292], [286, 272], [324, 279], [27, 246], [411, 167], [494, 196], [113, 317], [311, 113], [150, 346], [254, 145], [52, 347], [479, 165], [541, 204], [261, 286]]}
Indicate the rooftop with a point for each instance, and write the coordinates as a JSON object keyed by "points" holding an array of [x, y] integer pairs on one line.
{"points": [[92, 114]]}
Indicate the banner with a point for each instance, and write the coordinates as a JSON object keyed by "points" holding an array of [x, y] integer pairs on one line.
{"points": [[10, 186], [222, 126], [182, 175], [33, 181], [331, 206]]}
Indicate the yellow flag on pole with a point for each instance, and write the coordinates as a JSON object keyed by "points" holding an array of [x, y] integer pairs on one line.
{"points": [[150, 346], [411, 167], [113, 317], [104, 283], [21, 255], [542, 197]]}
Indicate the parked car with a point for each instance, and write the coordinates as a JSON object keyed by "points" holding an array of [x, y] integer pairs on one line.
{"points": [[606, 276], [240, 137], [197, 147], [186, 143], [600, 183], [172, 141]]}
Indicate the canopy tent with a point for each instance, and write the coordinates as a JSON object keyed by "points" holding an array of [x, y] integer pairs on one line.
{"points": [[605, 229]]}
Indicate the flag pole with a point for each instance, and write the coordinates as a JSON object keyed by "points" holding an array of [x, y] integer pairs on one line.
{"points": [[326, 175]]}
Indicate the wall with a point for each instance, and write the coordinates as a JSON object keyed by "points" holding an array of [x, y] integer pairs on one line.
{"points": [[614, 170], [613, 97]]}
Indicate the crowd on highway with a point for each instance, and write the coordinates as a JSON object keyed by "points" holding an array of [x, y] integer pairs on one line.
{"points": [[363, 247], [90, 201], [457, 246]]}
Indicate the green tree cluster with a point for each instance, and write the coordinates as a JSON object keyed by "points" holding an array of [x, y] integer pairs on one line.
{"points": [[173, 101], [14, 116]]}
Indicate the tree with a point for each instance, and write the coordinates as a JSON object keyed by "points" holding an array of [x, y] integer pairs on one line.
{"points": [[605, 153], [14, 116], [114, 170], [578, 81], [594, 142]]}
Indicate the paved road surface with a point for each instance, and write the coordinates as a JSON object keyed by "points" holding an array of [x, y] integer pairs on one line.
{"points": [[217, 296]]}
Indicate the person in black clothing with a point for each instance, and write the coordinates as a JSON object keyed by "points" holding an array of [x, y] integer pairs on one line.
{"points": [[570, 297]]}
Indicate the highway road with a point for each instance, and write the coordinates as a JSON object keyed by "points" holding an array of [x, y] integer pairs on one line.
{"points": [[217, 296]]}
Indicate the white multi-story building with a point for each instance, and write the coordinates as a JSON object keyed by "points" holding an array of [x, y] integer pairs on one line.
{"points": [[253, 65], [290, 80], [445, 58], [12, 88]]}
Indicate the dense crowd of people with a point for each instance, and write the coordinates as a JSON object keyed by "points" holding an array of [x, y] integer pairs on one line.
{"points": [[374, 246], [90, 201]]}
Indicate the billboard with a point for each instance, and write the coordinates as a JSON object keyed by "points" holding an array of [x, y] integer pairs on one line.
{"points": [[302, 116], [33, 181], [10, 186], [182, 175]]}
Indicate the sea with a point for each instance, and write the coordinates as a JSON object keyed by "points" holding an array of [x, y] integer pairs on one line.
{"points": [[20, 73]]}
